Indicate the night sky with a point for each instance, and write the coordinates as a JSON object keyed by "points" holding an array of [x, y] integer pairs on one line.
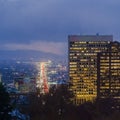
{"points": [[44, 25]]}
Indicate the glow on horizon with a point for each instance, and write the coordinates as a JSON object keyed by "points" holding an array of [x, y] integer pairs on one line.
{"points": [[43, 46]]}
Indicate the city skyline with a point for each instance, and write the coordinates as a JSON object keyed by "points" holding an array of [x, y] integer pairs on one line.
{"points": [[45, 25]]}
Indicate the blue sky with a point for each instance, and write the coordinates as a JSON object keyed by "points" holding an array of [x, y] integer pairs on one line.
{"points": [[44, 25]]}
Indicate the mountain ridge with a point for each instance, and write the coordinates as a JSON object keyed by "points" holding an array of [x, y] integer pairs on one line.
{"points": [[29, 55]]}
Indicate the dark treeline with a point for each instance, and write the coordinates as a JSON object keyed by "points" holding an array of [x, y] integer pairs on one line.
{"points": [[56, 105], [5, 106]]}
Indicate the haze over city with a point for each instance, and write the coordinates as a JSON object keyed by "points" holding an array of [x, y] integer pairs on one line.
{"points": [[59, 60], [44, 25]]}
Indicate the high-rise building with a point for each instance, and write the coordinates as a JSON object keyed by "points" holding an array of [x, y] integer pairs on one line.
{"points": [[109, 73], [83, 51]]}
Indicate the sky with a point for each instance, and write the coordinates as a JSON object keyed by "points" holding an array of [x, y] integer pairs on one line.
{"points": [[44, 25]]}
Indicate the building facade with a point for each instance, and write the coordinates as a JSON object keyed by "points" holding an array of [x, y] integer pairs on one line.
{"points": [[83, 50], [109, 73]]}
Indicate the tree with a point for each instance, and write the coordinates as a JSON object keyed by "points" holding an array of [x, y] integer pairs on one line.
{"points": [[55, 105], [58, 103], [5, 106]]}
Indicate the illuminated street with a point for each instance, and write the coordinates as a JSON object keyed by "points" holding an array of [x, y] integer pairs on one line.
{"points": [[42, 82]]}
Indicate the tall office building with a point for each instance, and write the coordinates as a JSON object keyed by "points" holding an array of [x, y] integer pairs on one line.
{"points": [[109, 73], [83, 51]]}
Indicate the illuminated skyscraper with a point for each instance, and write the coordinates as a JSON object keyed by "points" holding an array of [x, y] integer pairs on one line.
{"points": [[109, 73], [83, 64]]}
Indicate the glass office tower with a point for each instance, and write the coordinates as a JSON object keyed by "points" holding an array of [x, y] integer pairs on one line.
{"points": [[83, 50]]}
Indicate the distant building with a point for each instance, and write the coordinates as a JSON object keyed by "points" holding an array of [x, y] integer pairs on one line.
{"points": [[83, 50], [25, 84], [109, 73]]}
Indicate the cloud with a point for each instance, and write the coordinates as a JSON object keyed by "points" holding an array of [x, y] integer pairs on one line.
{"points": [[53, 20], [48, 47]]}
